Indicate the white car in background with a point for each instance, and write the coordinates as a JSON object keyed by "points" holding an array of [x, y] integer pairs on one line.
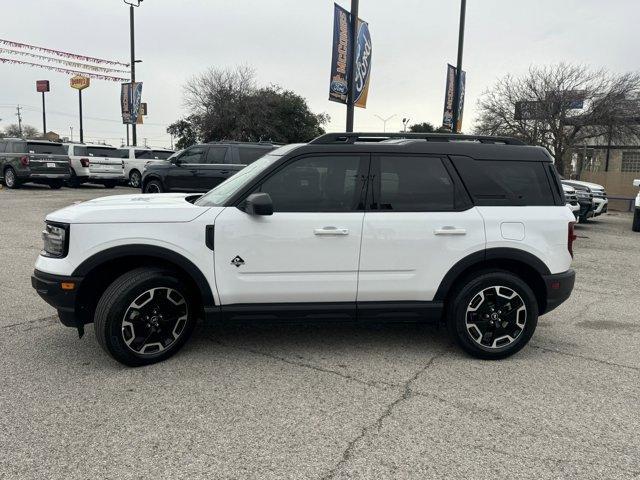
{"points": [[94, 163], [572, 199], [636, 212], [599, 195], [135, 158]]}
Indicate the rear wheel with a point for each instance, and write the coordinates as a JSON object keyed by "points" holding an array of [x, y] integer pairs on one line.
{"points": [[144, 316], [10, 178], [493, 314], [135, 178], [73, 181], [55, 185], [636, 220], [153, 186], [109, 184]]}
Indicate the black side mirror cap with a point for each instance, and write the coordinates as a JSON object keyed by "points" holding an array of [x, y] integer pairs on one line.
{"points": [[259, 204]]}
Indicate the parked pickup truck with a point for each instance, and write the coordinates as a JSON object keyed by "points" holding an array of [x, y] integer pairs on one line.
{"points": [[94, 164], [35, 161]]}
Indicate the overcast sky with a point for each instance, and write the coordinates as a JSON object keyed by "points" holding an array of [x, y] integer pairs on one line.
{"points": [[289, 43]]}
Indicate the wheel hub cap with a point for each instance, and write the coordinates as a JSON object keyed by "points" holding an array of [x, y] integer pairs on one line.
{"points": [[154, 321], [495, 317]]}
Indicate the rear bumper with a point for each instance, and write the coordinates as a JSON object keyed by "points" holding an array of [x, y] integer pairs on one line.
{"points": [[49, 287], [558, 288], [26, 176]]}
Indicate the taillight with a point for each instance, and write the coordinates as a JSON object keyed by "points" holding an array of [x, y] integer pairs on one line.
{"points": [[84, 162], [24, 160], [571, 237]]}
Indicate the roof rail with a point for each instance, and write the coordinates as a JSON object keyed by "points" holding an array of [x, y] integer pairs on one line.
{"points": [[333, 138]]}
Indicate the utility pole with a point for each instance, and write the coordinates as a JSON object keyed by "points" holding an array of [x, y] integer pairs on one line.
{"points": [[134, 133], [44, 117], [351, 81], [456, 96], [71, 128], [18, 108]]}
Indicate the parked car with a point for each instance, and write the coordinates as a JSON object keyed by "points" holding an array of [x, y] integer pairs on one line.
{"points": [[135, 159], [94, 163], [201, 167], [572, 200], [34, 161], [599, 195], [585, 200], [473, 233], [636, 213]]}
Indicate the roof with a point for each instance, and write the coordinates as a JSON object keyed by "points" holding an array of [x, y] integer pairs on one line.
{"points": [[478, 147]]}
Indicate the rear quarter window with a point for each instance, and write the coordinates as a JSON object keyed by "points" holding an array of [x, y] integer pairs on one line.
{"points": [[504, 182]]}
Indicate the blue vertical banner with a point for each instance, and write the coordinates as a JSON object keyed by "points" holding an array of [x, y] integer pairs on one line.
{"points": [[341, 60], [449, 97], [130, 99]]}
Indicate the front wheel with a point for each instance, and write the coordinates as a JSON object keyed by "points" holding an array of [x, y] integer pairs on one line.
{"points": [[493, 314], [636, 220], [135, 178], [144, 316], [153, 186]]}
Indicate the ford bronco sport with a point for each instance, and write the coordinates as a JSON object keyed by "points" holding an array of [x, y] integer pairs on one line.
{"points": [[467, 230]]}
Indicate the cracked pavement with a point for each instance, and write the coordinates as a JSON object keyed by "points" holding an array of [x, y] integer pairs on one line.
{"points": [[323, 401]]}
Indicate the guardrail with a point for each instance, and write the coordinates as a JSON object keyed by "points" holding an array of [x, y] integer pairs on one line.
{"points": [[630, 200]]}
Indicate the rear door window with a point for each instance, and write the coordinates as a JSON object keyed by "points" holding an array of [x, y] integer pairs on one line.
{"points": [[412, 183], [217, 154], [249, 155], [102, 152], [504, 182]]}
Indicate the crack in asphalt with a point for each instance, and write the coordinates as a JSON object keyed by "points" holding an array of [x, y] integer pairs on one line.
{"points": [[347, 454], [368, 383], [584, 357], [29, 322]]}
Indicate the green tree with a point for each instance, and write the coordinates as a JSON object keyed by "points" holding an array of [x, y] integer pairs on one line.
{"points": [[424, 127], [227, 105], [28, 131]]}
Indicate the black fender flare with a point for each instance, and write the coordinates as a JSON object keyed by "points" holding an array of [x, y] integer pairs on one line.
{"points": [[150, 251], [476, 258]]}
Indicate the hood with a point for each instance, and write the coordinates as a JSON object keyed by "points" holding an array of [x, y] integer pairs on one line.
{"points": [[139, 208], [585, 184]]}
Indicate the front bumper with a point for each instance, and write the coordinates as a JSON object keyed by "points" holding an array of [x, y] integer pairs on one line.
{"points": [[50, 288], [601, 205], [558, 288]]}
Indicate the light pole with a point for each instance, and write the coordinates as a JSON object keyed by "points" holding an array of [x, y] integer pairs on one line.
{"points": [[133, 3], [71, 128], [351, 79], [405, 122], [384, 121], [456, 95]]}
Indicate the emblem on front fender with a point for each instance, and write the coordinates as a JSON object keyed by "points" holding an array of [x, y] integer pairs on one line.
{"points": [[237, 261]]}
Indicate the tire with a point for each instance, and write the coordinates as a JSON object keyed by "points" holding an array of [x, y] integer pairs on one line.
{"points": [[109, 184], [474, 300], [636, 220], [10, 178], [127, 305], [583, 219], [153, 186], [135, 179], [73, 181], [57, 185]]}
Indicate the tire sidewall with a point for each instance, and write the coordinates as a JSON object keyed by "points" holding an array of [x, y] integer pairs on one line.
{"points": [[7, 172], [153, 182], [457, 316], [135, 174], [112, 324]]}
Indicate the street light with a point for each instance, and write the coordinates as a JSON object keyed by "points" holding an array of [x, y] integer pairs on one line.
{"points": [[405, 122], [384, 121], [133, 3]]}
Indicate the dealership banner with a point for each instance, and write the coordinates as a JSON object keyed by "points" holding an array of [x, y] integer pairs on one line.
{"points": [[463, 80], [130, 98], [341, 59], [449, 97]]}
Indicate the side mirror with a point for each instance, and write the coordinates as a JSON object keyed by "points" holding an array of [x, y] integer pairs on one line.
{"points": [[259, 204], [636, 182], [176, 161]]}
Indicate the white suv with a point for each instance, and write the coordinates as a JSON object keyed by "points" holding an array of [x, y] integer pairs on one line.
{"points": [[135, 159], [636, 211], [94, 163], [471, 231]]}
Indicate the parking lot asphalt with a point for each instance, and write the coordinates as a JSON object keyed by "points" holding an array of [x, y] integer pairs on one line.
{"points": [[323, 401]]}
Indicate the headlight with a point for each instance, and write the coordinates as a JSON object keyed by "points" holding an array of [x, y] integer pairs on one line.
{"points": [[583, 194], [55, 237]]}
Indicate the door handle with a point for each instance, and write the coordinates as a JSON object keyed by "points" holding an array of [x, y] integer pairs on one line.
{"points": [[449, 230], [331, 231]]}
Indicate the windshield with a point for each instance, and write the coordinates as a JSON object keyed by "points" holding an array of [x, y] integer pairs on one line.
{"points": [[220, 194]]}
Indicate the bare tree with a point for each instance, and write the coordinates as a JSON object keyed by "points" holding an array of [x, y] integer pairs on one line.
{"points": [[562, 106], [13, 130]]}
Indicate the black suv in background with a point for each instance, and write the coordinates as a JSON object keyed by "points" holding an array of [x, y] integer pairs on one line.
{"points": [[201, 167], [35, 161]]}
